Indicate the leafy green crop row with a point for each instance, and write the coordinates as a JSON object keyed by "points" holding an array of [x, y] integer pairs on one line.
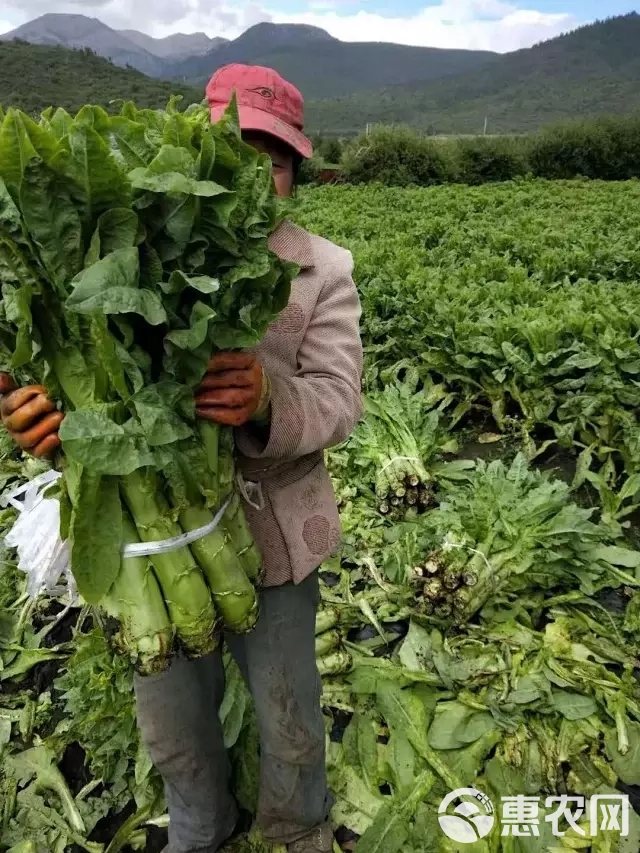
{"points": [[521, 300]]}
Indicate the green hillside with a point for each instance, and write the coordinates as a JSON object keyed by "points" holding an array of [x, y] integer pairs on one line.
{"points": [[34, 77], [592, 71]]}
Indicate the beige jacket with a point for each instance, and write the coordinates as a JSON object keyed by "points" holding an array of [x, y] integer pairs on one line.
{"points": [[313, 355]]}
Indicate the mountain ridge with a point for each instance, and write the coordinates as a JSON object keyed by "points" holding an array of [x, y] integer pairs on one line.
{"points": [[593, 70], [80, 31], [176, 46], [122, 47], [317, 62]]}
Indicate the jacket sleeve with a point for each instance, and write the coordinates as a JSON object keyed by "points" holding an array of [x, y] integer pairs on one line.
{"points": [[319, 406]]}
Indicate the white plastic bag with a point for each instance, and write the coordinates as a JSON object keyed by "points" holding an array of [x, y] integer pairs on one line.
{"points": [[42, 554]]}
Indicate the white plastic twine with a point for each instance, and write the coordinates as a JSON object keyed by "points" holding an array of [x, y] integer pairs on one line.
{"points": [[399, 459], [448, 545], [250, 490], [147, 549]]}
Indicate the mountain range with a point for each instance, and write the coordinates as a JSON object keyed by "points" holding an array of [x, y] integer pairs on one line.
{"points": [[590, 71], [594, 70], [322, 66], [122, 47]]}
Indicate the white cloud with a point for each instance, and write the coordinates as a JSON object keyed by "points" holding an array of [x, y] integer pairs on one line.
{"points": [[155, 17], [500, 25], [472, 24]]}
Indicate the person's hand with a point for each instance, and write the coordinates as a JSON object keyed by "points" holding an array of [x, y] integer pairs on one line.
{"points": [[30, 417], [235, 390]]}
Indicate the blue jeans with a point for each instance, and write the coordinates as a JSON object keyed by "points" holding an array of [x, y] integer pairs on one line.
{"points": [[178, 719]]}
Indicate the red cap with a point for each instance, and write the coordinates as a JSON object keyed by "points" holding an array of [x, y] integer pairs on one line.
{"points": [[266, 103]]}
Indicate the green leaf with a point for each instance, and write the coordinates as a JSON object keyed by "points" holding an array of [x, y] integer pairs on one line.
{"points": [[455, 725], [175, 157], [10, 219], [111, 286], [417, 650], [404, 713], [402, 760], [131, 143], [198, 331], [630, 488], [178, 132], [27, 659], [96, 535], [173, 183], [93, 440], [356, 804], [159, 409], [234, 704], [627, 766], [361, 750], [574, 706], [73, 374], [17, 306], [467, 762], [178, 282], [390, 829], [117, 229], [246, 763], [53, 221], [387, 834], [39, 763], [618, 556], [100, 183]]}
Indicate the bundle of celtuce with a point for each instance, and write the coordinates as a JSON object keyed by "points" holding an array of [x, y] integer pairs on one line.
{"points": [[131, 248], [395, 450], [501, 531]]}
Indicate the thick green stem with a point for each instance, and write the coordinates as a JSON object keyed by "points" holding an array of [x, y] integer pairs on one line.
{"points": [[218, 445], [326, 618], [135, 600], [235, 523], [233, 593], [210, 436], [336, 663], [226, 462], [183, 586], [327, 642]]}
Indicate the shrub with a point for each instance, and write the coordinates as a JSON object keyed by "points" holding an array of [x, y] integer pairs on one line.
{"points": [[604, 149], [397, 156], [309, 170], [483, 159]]}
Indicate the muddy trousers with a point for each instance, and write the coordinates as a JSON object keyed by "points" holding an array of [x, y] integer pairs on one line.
{"points": [[178, 718]]}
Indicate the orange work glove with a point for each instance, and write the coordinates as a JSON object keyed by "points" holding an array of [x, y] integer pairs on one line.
{"points": [[235, 389], [30, 417]]}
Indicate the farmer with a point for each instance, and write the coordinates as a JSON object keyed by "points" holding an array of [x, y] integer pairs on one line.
{"points": [[295, 394]]}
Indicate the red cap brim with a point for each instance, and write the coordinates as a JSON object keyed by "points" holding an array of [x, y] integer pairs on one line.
{"points": [[263, 122]]}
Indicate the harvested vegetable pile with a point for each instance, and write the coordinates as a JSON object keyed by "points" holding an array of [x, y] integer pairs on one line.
{"points": [[486, 635], [131, 248]]}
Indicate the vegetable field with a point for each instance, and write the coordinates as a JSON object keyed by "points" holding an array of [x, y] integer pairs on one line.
{"points": [[481, 625]]}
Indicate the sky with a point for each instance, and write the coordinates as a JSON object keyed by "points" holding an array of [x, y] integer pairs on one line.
{"points": [[500, 25]]}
